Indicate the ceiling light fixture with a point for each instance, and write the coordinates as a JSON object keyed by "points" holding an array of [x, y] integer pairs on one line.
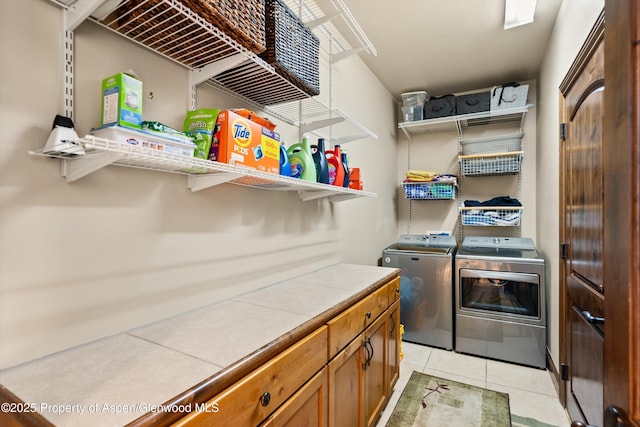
{"points": [[518, 12]]}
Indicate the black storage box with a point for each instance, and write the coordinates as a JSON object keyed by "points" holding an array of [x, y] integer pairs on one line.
{"points": [[473, 102], [440, 107]]}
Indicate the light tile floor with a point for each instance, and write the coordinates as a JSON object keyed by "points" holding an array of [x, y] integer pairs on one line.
{"points": [[531, 391]]}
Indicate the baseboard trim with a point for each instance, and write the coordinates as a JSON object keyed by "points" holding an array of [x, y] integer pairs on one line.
{"points": [[555, 374]]}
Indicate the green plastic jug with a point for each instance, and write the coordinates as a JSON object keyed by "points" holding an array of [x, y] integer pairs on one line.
{"points": [[301, 161]]}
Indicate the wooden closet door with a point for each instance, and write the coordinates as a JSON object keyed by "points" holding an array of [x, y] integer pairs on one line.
{"points": [[622, 214], [583, 286]]}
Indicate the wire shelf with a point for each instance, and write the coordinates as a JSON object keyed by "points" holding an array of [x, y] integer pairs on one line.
{"points": [[91, 153], [491, 216], [333, 23], [459, 122]]}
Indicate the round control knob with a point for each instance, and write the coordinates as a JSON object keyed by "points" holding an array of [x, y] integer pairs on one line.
{"points": [[496, 240], [387, 260]]}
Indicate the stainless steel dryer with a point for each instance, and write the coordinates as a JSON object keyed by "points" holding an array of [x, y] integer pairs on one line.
{"points": [[426, 287], [500, 300]]}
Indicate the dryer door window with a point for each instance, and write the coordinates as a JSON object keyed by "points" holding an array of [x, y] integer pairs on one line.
{"points": [[500, 292]]}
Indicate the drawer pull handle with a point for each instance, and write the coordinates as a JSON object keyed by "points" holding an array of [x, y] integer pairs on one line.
{"points": [[370, 355], [366, 358], [265, 398], [368, 348], [368, 314], [397, 290], [393, 325]]}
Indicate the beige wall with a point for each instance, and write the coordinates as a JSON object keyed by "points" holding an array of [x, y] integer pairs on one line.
{"points": [[575, 20], [124, 247]]}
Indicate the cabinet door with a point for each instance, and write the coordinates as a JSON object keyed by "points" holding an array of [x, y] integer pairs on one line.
{"points": [[375, 370], [345, 385], [393, 346], [306, 408]]}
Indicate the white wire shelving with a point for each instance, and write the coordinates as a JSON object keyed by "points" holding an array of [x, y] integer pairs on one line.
{"points": [[172, 30], [217, 60], [460, 122], [94, 153]]}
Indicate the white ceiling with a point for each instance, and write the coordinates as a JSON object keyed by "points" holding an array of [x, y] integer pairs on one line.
{"points": [[449, 46]]}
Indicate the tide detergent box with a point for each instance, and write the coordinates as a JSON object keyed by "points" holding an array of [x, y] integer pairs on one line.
{"points": [[122, 101], [239, 141]]}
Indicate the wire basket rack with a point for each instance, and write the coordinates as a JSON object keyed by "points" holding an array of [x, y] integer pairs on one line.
{"points": [[429, 190], [491, 216], [491, 164], [495, 144]]}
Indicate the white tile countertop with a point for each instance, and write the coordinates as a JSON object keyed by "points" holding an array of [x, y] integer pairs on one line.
{"points": [[115, 380]]}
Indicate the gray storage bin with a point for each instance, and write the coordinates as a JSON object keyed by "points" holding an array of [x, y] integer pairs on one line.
{"points": [[473, 102], [505, 97], [440, 107]]}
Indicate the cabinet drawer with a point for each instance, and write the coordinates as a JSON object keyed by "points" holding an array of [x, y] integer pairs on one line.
{"points": [[347, 325], [308, 407], [247, 402], [394, 290]]}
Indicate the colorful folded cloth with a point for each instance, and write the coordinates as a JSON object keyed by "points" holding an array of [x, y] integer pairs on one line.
{"points": [[428, 176], [414, 175]]}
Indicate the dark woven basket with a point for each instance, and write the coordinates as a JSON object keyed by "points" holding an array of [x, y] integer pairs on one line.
{"points": [[292, 49], [156, 23]]}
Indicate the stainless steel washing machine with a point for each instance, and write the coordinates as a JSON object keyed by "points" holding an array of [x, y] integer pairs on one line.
{"points": [[426, 287], [500, 300]]}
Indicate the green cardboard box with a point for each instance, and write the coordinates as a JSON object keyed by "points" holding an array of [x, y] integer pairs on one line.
{"points": [[122, 101]]}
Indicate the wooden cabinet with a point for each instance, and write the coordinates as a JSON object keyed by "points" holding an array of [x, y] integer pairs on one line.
{"points": [[362, 374], [357, 378], [342, 374], [336, 369]]}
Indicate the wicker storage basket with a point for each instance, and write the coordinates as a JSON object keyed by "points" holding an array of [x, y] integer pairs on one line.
{"points": [[152, 20], [292, 49]]}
